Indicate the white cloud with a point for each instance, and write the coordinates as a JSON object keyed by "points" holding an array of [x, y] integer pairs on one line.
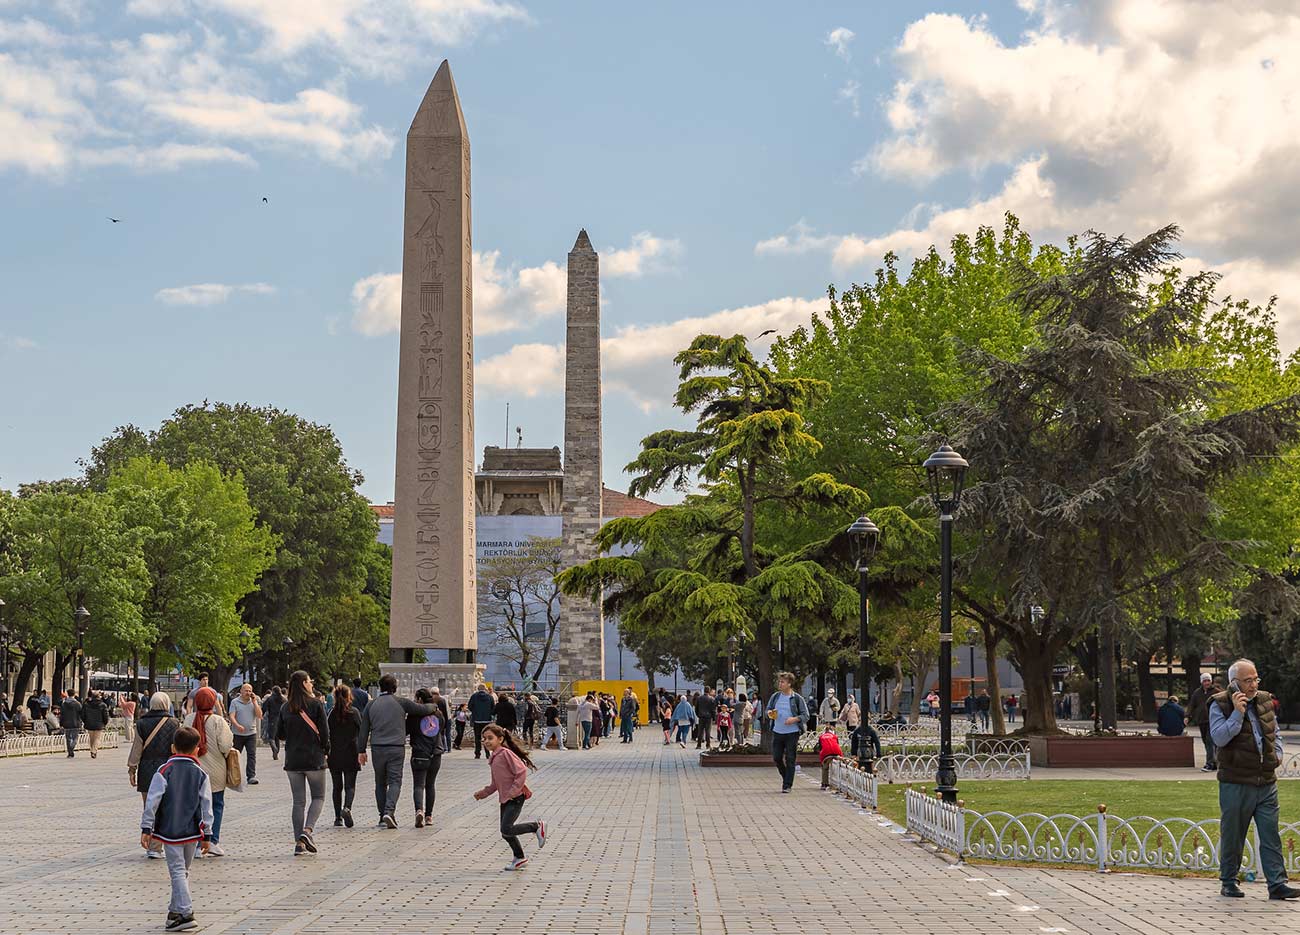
{"points": [[507, 297], [637, 360], [374, 36], [646, 253], [1116, 115], [167, 157], [838, 39], [851, 93], [15, 342], [210, 293], [531, 369], [377, 304]]}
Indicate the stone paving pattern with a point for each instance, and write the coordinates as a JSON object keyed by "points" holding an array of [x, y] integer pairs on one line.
{"points": [[643, 842]]}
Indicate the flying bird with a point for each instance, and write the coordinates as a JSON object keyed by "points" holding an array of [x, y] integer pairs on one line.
{"points": [[766, 333], [265, 200], [116, 220]]}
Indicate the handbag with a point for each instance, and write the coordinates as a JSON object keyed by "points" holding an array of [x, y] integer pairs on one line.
{"points": [[234, 778], [421, 762]]}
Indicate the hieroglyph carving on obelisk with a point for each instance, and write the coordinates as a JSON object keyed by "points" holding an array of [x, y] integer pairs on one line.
{"points": [[582, 629], [433, 596]]}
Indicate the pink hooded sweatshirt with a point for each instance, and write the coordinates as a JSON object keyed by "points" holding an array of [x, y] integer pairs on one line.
{"points": [[509, 774]]}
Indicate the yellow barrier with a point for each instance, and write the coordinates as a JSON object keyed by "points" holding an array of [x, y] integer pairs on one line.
{"points": [[616, 687]]}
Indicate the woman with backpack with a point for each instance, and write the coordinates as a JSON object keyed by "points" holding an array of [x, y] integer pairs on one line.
{"points": [[426, 733], [152, 748], [342, 760], [305, 733]]}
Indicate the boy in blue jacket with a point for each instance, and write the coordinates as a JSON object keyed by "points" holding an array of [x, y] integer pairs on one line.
{"points": [[178, 814]]}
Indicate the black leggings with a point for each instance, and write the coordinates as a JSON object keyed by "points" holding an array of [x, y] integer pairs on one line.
{"points": [[424, 780], [511, 831], [344, 787]]}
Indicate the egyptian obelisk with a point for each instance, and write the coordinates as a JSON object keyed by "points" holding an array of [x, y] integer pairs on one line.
{"points": [[433, 596], [582, 630]]}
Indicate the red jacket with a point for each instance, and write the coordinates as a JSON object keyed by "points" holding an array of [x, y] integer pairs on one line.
{"points": [[828, 745]]}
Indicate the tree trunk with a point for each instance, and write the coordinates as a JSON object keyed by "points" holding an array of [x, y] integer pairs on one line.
{"points": [[999, 722], [56, 676], [1035, 661], [1146, 689], [1109, 627], [820, 690], [842, 687], [1192, 667], [31, 659], [766, 677], [153, 669]]}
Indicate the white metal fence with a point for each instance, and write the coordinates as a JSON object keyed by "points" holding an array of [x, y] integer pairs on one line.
{"points": [[935, 820], [1102, 840], [29, 744], [1290, 768], [979, 766], [857, 784]]}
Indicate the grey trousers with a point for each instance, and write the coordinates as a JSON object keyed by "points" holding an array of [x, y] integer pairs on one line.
{"points": [[1239, 804], [299, 781], [179, 857], [387, 761]]}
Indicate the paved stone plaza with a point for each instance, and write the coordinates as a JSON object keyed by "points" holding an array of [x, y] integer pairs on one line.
{"points": [[644, 841]]}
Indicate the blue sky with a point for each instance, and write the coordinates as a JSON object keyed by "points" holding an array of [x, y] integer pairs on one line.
{"points": [[728, 159]]}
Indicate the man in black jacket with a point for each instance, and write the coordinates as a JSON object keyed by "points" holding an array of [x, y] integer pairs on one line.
{"points": [[70, 721], [1198, 716], [481, 709], [706, 710], [94, 718]]}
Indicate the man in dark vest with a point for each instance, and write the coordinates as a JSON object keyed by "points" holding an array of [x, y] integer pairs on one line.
{"points": [[1248, 758]]}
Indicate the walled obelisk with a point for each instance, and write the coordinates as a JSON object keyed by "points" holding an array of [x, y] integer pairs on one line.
{"points": [[582, 630], [433, 596]]}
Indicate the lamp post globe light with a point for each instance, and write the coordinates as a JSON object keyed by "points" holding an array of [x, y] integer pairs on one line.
{"points": [[79, 618], [946, 472], [864, 537]]}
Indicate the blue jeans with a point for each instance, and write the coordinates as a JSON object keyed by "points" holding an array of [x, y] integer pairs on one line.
{"points": [[586, 735], [70, 735], [683, 731], [1238, 805], [179, 857], [625, 728], [218, 809]]}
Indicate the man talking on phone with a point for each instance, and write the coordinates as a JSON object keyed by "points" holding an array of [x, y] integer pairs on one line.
{"points": [[1248, 759]]}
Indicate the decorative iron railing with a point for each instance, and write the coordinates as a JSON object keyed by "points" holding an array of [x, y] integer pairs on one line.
{"points": [[857, 784], [935, 820], [29, 744], [981, 766]]}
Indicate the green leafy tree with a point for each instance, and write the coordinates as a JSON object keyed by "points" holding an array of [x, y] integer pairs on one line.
{"points": [[1096, 456], [64, 551], [715, 572], [300, 488], [204, 553]]}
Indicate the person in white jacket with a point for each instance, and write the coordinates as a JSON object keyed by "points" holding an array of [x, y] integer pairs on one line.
{"points": [[215, 740], [829, 711]]}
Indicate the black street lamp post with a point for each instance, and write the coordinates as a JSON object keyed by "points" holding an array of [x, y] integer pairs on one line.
{"points": [[864, 536], [4, 649], [732, 645], [946, 471], [970, 692], [80, 616]]}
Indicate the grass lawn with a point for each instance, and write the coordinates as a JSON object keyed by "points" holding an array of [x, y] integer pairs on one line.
{"points": [[1194, 799]]}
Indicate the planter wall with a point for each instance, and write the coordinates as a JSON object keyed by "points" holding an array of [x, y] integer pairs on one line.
{"points": [[1131, 752], [806, 760]]}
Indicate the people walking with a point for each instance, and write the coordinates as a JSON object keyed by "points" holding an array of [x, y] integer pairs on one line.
{"points": [[245, 713], [787, 712], [587, 711], [984, 708], [305, 733], [707, 712], [1198, 716], [94, 717], [345, 724], [627, 712], [151, 749], [504, 712], [551, 726], [684, 718], [178, 817], [128, 706], [829, 712], [360, 697], [71, 723], [271, 706], [510, 765], [1248, 762], [532, 714], [215, 741], [481, 709], [426, 733], [461, 718], [383, 727], [1013, 704], [666, 718], [851, 717]]}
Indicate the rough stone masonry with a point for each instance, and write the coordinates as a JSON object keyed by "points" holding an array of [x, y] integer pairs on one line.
{"points": [[582, 632], [433, 595]]}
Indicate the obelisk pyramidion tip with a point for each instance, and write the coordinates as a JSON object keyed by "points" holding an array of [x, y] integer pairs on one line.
{"points": [[583, 243], [439, 113]]}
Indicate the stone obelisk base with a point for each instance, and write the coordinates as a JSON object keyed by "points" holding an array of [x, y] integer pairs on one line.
{"points": [[454, 681]]}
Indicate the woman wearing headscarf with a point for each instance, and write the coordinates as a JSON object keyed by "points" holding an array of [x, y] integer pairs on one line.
{"points": [[216, 739], [152, 748]]}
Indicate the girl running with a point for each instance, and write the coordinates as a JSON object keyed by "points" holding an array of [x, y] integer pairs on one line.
{"points": [[510, 764]]}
